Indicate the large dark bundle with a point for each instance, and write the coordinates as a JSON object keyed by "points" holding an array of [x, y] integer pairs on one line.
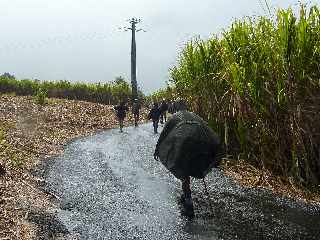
{"points": [[187, 146]]}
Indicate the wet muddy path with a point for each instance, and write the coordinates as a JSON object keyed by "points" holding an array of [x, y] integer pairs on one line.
{"points": [[110, 187]]}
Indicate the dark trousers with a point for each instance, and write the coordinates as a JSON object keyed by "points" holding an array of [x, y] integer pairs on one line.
{"points": [[136, 119], [163, 117], [186, 187], [121, 120], [186, 197], [155, 125]]}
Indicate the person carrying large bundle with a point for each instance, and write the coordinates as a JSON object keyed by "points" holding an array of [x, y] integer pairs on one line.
{"points": [[187, 147]]}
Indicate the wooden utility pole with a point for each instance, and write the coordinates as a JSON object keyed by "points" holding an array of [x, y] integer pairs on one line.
{"points": [[134, 84]]}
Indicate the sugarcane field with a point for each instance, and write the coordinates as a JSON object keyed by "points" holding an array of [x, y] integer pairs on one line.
{"points": [[160, 120]]}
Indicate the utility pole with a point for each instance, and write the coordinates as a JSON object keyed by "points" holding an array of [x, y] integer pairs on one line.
{"points": [[133, 28]]}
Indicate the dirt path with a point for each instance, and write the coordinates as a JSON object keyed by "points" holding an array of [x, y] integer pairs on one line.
{"points": [[109, 187], [30, 133]]}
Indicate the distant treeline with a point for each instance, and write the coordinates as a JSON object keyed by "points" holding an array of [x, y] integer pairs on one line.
{"points": [[107, 93], [258, 86], [168, 93]]}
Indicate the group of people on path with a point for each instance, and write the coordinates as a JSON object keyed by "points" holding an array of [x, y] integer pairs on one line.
{"points": [[187, 147], [122, 109], [158, 113]]}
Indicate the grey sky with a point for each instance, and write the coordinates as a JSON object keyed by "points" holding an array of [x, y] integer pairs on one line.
{"points": [[79, 40]]}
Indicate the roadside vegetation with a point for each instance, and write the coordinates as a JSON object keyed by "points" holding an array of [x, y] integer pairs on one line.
{"points": [[258, 87], [166, 93], [109, 93], [36, 119], [30, 134]]}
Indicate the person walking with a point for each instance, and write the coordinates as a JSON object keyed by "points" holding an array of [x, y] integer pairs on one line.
{"points": [[121, 112], [170, 107], [163, 110], [136, 111], [187, 147], [175, 106], [154, 114]]}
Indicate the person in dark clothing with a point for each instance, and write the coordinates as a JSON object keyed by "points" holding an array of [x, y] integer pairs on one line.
{"points": [[136, 111], [121, 112], [186, 197], [175, 106], [163, 110], [154, 114], [170, 107]]}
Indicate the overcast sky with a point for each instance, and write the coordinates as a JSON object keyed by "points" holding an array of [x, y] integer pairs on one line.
{"points": [[79, 40]]}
